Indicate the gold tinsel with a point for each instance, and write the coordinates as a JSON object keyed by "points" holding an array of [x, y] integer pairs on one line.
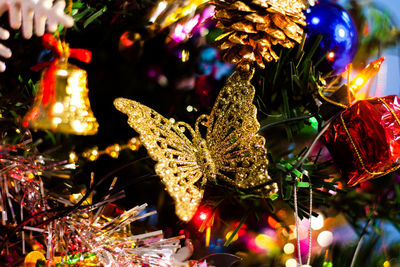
{"points": [[252, 27]]}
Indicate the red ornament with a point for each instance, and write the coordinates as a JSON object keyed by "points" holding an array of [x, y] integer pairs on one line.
{"points": [[365, 139], [203, 216]]}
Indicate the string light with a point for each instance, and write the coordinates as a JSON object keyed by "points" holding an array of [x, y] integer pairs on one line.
{"points": [[208, 236], [331, 56], [365, 75], [205, 219], [185, 55], [234, 238], [160, 8], [113, 151], [203, 216]]}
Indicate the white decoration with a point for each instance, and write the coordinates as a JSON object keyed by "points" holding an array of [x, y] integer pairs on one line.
{"points": [[31, 13], [4, 51], [183, 253]]}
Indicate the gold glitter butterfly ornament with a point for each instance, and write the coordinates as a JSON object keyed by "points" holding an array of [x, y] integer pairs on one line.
{"points": [[231, 150]]}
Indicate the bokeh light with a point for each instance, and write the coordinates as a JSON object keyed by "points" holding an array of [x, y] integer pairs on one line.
{"points": [[317, 222], [263, 241], [291, 263], [288, 248], [229, 234], [325, 238]]}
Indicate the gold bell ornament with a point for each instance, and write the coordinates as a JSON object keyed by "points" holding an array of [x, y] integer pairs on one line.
{"points": [[62, 102]]}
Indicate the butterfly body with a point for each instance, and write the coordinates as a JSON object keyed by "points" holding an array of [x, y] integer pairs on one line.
{"points": [[231, 149], [205, 160]]}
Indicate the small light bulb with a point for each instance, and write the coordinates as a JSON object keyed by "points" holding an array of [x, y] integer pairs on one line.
{"points": [[331, 56], [78, 126], [72, 157], [359, 81], [229, 234], [185, 55], [58, 108], [57, 120], [203, 216], [62, 73], [189, 108]]}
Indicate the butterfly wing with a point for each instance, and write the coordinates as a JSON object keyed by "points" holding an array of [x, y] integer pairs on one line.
{"points": [[174, 152], [238, 151]]}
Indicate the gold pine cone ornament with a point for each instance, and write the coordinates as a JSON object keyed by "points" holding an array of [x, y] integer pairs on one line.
{"points": [[253, 27]]}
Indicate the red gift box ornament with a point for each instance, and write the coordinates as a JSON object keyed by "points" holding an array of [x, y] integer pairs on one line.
{"points": [[365, 139]]}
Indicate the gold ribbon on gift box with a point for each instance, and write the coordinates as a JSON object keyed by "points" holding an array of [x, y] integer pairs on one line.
{"points": [[357, 150], [353, 87]]}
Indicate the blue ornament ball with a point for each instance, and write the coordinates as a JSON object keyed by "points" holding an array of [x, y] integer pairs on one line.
{"points": [[339, 35]]}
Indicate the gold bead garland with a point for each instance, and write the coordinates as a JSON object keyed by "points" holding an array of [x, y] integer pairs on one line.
{"points": [[113, 151]]}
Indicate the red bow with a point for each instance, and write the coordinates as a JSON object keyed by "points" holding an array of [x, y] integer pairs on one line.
{"points": [[50, 42], [48, 79]]}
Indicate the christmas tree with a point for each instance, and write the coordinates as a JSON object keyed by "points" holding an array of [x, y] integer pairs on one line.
{"points": [[198, 133]]}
